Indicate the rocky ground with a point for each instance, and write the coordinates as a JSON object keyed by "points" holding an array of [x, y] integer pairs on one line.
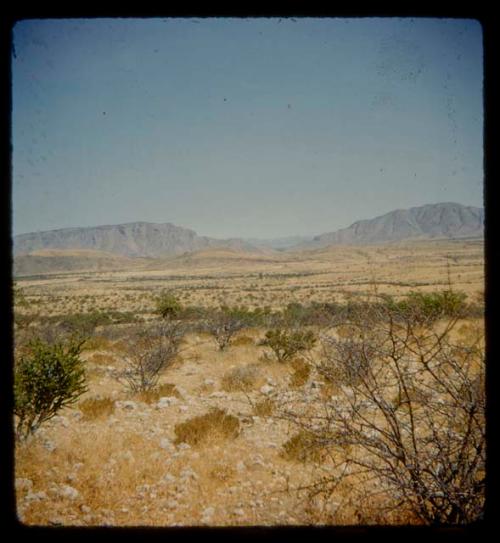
{"points": [[125, 467]]}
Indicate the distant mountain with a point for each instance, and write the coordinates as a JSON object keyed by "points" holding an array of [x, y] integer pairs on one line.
{"points": [[433, 221], [137, 239]]}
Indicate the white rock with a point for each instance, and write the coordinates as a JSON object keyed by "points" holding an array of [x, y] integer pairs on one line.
{"points": [[240, 466], [66, 491], [217, 394], [188, 474], [184, 446], [209, 382], [169, 478], [85, 509], [23, 484], [208, 512], [36, 496], [266, 389], [165, 443], [172, 504], [183, 408]]}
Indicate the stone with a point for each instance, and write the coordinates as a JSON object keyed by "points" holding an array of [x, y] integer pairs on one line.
{"points": [[36, 496], [48, 445], [217, 394], [23, 484], [183, 446], [166, 444], [209, 382], [266, 389], [240, 466], [85, 509], [126, 404], [66, 491], [183, 408]]}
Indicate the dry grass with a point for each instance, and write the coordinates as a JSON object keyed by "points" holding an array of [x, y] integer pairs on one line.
{"points": [[216, 424], [301, 447], [242, 341], [264, 408], [95, 408], [301, 372], [154, 394], [243, 378]]}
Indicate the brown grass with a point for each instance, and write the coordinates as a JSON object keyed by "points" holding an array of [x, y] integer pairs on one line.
{"points": [[214, 424], [95, 408], [153, 395], [243, 378], [264, 408], [301, 447], [301, 372]]}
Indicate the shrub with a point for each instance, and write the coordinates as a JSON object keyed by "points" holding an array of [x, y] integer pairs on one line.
{"points": [[154, 394], [286, 344], [167, 305], [224, 325], [215, 423], [48, 378], [150, 351], [432, 305]]}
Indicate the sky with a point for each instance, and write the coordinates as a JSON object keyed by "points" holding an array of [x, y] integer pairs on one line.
{"points": [[257, 128]]}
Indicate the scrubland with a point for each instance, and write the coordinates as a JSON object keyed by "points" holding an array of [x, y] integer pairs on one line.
{"points": [[235, 436]]}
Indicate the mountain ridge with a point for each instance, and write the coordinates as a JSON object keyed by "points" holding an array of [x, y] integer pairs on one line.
{"points": [[143, 239]]}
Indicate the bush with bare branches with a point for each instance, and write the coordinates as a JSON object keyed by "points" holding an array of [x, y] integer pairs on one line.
{"points": [[408, 418], [151, 349]]}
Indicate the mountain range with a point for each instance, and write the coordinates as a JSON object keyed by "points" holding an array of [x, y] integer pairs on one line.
{"points": [[139, 240]]}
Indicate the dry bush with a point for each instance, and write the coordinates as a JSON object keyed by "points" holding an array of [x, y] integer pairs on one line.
{"points": [[151, 350], [243, 378], [217, 423], [410, 412], [95, 408]]}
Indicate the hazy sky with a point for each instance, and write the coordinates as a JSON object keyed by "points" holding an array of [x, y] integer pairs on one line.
{"points": [[243, 127]]}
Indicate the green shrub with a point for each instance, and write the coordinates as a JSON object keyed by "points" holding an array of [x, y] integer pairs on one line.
{"points": [[432, 305], [167, 305], [286, 344], [48, 378]]}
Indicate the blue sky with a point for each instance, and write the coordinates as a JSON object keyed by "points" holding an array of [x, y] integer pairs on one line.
{"points": [[243, 127]]}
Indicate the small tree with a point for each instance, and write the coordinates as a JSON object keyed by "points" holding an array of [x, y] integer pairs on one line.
{"points": [[167, 305], [285, 344], [48, 378], [224, 325], [151, 351]]}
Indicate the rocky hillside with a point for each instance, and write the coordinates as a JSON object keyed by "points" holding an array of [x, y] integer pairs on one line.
{"points": [[138, 239], [433, 221]]}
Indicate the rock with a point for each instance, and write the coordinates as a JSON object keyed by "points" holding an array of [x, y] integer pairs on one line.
{"points": [[36, 496], [66, 491], [208, 511], [126, 404], [23, 484], [266, 389], [217, 394], [169, 478], [166, 401], [166, 444], [239, 512], [188, 474], [183, 408], [85, 509], [183, 446], [208, 383], [171, 504], [240, 466]]}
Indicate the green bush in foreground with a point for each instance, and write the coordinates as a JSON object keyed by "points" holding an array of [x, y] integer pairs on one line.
{"points": [[167, 305], [50, 377], [285, 344]]}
